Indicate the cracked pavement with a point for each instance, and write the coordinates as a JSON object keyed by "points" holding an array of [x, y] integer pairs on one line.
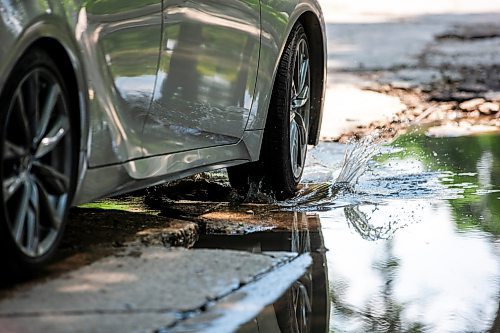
{"points": [[139, 290]]}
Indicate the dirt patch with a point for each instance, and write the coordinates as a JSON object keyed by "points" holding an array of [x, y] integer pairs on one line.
{"points": [[471, 32], [455, 82], [226, 218], [444, 102]]}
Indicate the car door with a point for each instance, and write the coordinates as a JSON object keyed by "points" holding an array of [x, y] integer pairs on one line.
{"points": [[122, 46], [206, 77]]}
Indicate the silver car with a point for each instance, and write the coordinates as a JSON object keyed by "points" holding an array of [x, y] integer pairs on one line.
{"points": [[102, 97]]}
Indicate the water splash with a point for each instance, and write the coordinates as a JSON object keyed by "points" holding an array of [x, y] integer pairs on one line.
{"points": [[355, 162]]}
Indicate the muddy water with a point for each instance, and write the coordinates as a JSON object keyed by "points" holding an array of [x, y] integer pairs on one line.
{"points": [[413, 247]]}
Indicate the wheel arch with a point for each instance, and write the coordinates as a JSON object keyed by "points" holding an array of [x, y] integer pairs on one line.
{"points": [[46, 33], [52, 34], [63, 61], [275, 36], [316, 39]]}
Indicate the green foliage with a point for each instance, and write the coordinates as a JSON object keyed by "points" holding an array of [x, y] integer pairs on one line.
{"points": [[129, 204], [473, 160]]}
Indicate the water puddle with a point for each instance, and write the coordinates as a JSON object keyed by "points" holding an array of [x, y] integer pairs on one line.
{"points": [[413, 237], [396, 171], [416, 245]]}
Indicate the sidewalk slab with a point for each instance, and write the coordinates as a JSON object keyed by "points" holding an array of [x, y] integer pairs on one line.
{"points": [[141, 290]]}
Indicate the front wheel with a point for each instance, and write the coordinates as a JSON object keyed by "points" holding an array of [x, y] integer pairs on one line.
{"points": [[284, 148], [37, 162]]}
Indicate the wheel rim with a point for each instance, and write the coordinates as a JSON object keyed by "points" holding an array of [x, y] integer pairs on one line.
{"points": [[36, 162], [301, 306], [299, 108]]}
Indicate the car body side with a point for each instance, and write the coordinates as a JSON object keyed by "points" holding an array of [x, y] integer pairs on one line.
{"points": [[112, 159]]}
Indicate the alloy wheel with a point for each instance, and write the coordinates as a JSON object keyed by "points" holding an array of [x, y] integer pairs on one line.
{"points": [[36, 162], [299, 108]]}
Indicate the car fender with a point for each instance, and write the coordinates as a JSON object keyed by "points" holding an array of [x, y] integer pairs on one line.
{"points": [[35, 27], [278, 20]]}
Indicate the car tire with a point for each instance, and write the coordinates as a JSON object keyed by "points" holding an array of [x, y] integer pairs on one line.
{"points": [[284, 147], [38, 153]]}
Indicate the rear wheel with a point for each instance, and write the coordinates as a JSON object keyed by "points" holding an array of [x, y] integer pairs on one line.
{"points": [[284, 148], [38, 160]]}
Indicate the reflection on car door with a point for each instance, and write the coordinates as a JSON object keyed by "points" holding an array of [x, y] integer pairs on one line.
{"points": [[207, 73], [123, 47]]}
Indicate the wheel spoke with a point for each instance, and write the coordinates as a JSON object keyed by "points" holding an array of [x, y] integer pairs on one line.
{"points": [[47, 110], [53, 136], [296, 75], [303, 72], [20, 218], [298, 141], [11, 186], [23, 116], [31, 231], [33, 217], [48, 207], [53, 181], [294, 142], [301, 98], [31, 99], [294, 91], [13, 151], [301, 126], [301, 154]]}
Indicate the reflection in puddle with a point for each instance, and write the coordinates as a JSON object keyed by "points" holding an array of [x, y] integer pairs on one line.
{"points": [[304, 307], [423, 273], [416, 246]]}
